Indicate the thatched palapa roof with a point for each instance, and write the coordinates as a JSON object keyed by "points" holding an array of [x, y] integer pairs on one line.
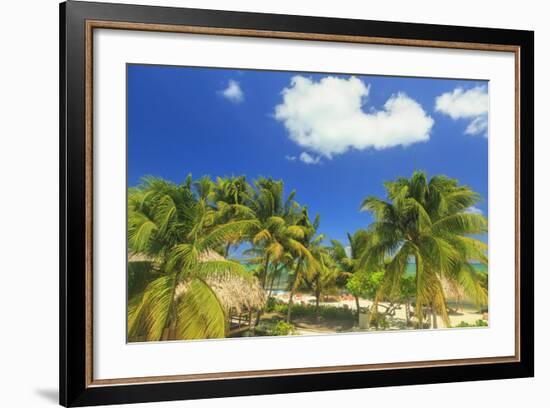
{"points": [[235, 293]]}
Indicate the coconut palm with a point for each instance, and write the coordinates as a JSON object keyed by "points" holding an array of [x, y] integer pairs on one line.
{"points": [[306, 264], [348, 261], [430, 222], [275, 236], [256, 256], [227, 196], [174, 228], [326, 272], [276, 232]]}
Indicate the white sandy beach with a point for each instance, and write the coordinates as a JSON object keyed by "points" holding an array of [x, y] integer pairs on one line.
{"points": [[466, 313]]}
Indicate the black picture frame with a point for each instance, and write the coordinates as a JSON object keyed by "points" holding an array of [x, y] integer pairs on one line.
{"points": [[75, 389]]}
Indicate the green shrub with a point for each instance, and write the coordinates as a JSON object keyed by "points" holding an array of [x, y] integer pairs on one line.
{"points": [[261, 330], [478, 323], [379, 321], [272, 304], [308, 311], [283, 329], [337, 313], [280, 308], [365, 284]]}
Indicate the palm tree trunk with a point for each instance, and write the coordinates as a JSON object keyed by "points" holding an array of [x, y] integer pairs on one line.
{"points": [[170, 321], [408, 311], [258, 316], [271, 282], [419, 314], [293, 290], [264, 272], [262, 310], [290, 303], [263, 283], [276, 273], [317, 300], [279, 276], [317, 293], [358, 308], [434, 317]]}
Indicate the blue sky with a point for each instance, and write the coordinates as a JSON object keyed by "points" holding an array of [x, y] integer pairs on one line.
{"points": [[333, 138]]}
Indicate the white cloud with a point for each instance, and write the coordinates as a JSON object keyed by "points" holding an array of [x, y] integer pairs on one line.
{"points": [[290, 158], [472, 104], [309, 159], [476, 126], [233, 92], [327, 117], [473, 210]]}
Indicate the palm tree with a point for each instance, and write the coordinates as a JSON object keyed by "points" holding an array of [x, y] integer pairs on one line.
{"points": [[275, 236], [326, 271], [275, 215], [174, 228], [348, 261], [227, 195], [429, 222], [300, 246]]}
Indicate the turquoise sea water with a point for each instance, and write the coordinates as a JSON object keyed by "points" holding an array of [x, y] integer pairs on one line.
{"points": [[410, 270], [282, 283]]}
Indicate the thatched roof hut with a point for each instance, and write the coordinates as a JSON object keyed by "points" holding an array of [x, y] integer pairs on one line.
{"points": [[234, 292]]}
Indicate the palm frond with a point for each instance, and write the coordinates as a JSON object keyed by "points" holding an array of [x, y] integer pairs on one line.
{"points": [[140, 231], [275, 222], [424, 220], [226, 233], [470, 248], [439, 253], [296, 232], [472, 282], [461, 223], [382, 210], [183, 257], [338, 250], [165, 211], [200, 314], [149, 316], [275, 250], [299, 249], [221, 268], [459, 200], [263, 235]]}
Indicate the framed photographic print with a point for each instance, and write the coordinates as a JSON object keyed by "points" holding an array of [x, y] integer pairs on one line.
{"points": [[255, 203]]}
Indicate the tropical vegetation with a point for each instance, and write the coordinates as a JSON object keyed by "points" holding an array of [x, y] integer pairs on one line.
{"points": [[226, 257]]}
